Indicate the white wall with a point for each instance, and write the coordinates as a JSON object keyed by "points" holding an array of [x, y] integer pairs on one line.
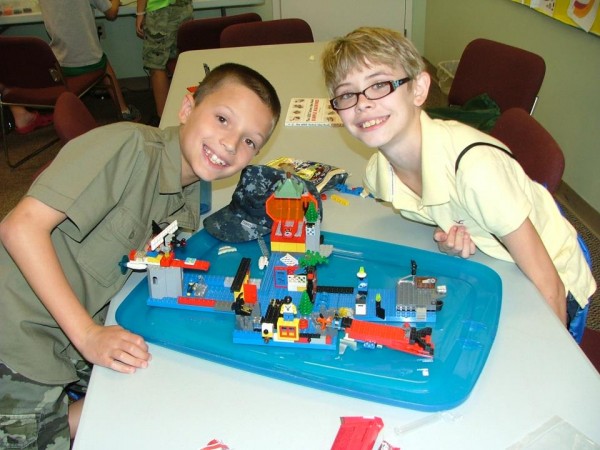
{"points": [[332, 18]]}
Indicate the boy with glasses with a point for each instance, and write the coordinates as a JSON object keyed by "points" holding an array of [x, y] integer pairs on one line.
{"points": [[378, 85]]}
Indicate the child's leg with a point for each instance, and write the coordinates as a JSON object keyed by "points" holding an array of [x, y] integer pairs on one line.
{"points": [[160, 88], [74, 416], [32, 413], [160, 44], [118, 94]]}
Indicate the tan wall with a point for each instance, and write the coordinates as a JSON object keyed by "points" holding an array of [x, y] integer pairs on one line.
{"points": [[569, 104]]}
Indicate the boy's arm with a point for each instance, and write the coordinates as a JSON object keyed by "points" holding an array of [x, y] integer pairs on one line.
{"points": [[139, 17], [112, 12], [528, 251], [25, 233]]}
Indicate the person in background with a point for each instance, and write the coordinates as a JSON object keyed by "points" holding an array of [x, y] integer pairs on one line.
{"points": [[27, 121], [74, 40], [63, 242], [378, 85], [157, 22]]}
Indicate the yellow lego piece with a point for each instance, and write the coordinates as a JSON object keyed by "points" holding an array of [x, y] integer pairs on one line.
{"points": [[340, 200]]}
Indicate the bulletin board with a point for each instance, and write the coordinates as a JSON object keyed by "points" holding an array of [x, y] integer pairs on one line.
{"points": [[582, 14]]}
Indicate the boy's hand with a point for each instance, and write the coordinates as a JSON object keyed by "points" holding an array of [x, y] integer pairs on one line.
{"points": [[139, 26], [457, 242], [115, 348]]}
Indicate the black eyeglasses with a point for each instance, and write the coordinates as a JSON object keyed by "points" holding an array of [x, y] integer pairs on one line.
{"points": [[373, 92]]}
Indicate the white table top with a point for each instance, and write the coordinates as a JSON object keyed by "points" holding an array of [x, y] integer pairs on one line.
{"points": [[535, 371]]}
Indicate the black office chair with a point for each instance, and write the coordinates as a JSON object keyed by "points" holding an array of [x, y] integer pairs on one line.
{"points": [[30, 76]]}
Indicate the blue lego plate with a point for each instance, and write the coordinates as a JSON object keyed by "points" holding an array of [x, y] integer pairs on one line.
{"points": [[463, 332]]}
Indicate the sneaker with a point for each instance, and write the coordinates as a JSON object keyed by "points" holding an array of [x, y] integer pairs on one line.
{"points": [[134, 114], [39, 121]]}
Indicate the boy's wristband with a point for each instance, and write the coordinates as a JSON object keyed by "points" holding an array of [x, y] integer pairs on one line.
{"points": [[140, 13]]}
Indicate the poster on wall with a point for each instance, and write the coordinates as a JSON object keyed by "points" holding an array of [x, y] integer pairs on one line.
{"points": [[578, 13]]}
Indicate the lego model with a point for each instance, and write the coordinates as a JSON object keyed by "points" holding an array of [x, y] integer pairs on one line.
{"points": [[419, 297], [165, 272], [289, 305], [357, 433], [405, 339], [296, 224]]}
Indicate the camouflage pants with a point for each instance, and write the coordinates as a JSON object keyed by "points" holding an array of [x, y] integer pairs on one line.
{"points": [[35, 415], [160, 33]]}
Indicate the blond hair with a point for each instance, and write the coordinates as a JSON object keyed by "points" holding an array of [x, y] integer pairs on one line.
{"points": [[367, 46]]}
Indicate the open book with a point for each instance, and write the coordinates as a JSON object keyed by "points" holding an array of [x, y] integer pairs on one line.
{"points": [[311, 112]]}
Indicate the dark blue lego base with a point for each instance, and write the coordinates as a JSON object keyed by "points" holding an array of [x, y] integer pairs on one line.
{"points": [[463, 333]]}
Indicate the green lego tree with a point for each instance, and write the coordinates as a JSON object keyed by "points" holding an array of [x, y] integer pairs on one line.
{"points": [[312, 259], [311, 215], [305, 307]]}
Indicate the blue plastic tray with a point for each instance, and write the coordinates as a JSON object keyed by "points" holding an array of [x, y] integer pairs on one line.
{"points": [[463, 332]]}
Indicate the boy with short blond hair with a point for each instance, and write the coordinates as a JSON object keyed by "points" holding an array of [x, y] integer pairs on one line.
{"points": [[378, 85]]}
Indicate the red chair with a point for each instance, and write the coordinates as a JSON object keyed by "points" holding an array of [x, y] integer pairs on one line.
{"points": [[280, 31], [71, 117], [511, 76], [30, 76], [532, 146], [202, 34]]}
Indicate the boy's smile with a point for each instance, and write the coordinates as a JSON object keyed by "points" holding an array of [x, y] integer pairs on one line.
{"points": [[220, 135], [383, 122]]}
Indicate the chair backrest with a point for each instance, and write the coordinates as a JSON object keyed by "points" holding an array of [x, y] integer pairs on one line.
{"points": [[280, 31], [511, 76], [29, 72], [532, 146], [71, 117], [201, 34], [27, 62]]}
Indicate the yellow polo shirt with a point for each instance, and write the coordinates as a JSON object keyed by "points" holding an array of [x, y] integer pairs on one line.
{"points": [[489, 194]]}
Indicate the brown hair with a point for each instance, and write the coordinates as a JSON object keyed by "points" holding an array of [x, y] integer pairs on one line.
{"points": [[246, 77]]}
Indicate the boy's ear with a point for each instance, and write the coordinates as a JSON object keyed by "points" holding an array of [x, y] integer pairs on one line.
{"points": [[187, 106], [420, 87]]}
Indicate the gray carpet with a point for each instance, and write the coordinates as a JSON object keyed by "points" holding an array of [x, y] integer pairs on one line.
{"points": [[136, 91]]}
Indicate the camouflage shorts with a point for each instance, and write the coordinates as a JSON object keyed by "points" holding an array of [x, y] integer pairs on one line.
{"points": [[35, 415], [160, 33]]}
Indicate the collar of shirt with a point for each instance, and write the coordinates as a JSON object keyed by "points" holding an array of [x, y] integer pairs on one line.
{"points": [[171, 163], [381, 178], [169, 184], [434, 163]]}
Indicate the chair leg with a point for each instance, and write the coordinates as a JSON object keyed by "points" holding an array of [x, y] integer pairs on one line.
{"points": [[110, 77], [27, 157]]}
